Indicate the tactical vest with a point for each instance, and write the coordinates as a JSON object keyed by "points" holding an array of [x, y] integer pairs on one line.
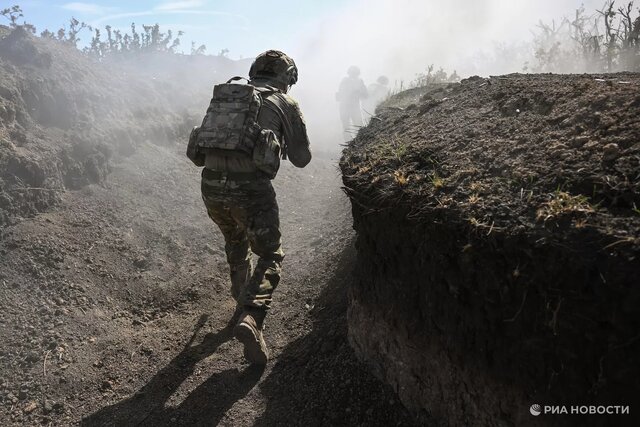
{"points": [[230, 128]]}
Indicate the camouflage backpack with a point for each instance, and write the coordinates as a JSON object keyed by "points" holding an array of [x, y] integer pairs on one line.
{"points": [[230, 127]]}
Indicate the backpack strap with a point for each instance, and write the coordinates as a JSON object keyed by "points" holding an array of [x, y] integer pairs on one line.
{"points": [[265, 91], [262, 92], [281, 114], [236, 78]]}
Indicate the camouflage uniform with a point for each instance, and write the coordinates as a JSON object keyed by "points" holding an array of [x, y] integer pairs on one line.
{"points": [[245, 207]]}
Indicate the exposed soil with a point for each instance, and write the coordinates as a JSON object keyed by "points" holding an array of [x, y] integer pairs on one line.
{"points": [[475, 145], [499, 246], [116, 309]]}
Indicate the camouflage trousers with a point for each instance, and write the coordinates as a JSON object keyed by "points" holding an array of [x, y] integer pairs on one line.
{"points": [[247, 214]]}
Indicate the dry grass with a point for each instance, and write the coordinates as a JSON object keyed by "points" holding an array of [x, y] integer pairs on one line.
{"points": [[393, 148], [563, 203], [437, 181], [400, 178], [580, 223], [392, 161], [363, 169], [476, 186]]}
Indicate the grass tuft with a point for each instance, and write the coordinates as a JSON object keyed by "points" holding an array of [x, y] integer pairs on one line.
{"points": [[563, 203], [400, 178], [437, 181]]}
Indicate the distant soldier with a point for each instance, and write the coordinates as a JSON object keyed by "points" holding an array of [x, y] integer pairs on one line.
{"points": [[351, 91], [378, 92], [247, 129]]}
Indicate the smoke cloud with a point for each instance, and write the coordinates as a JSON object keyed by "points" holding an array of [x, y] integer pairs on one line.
{"points": [[400, 39]]}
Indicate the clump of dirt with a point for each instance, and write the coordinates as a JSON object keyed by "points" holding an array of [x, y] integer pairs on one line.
{"points": [[498, 244]]}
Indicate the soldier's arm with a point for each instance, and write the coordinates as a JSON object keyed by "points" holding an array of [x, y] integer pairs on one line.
{"points": [[295, 135]]}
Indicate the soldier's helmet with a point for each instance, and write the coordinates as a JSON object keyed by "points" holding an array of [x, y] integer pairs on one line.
{"points": [[353, 71], [275, 65], [383, 80]]}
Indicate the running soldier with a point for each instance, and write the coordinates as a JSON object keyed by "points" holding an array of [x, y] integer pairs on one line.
{"points": [[246, 131]]}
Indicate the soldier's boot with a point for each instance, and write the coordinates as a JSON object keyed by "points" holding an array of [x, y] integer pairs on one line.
{"points": [[248, 331], [240, 276]]}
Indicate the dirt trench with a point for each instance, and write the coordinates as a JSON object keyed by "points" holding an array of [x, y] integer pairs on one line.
{"points": [[115, 309], [498, 247]]}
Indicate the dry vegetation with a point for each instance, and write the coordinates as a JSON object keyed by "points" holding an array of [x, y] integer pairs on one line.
{"points": [[562, 203], [606, 40], [543, 149], [116, 43]]}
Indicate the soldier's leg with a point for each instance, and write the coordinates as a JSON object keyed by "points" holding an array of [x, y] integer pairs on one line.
{"points": [[236, 245], [344, 117], [263, 231], [356, 117], [347, 130]]}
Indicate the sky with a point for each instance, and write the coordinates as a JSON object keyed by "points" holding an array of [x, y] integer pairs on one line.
{"points": [[244, 27], [396, 38], [247, 27]]}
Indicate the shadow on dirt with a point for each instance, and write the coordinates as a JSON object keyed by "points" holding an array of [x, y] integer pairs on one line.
{"points": [[207, 403], [318, 381]]}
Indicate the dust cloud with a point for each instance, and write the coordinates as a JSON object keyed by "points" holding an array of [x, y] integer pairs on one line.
{"points": [[401, 39], [398, 39]]}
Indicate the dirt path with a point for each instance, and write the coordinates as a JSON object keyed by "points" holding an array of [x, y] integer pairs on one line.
{"points": [[115, 309]]}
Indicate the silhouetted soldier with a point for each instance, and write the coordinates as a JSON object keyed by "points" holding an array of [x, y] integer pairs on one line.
{"points": [[351, 91]]}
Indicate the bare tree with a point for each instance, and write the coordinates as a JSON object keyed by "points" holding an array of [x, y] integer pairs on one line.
{"points": [[610, 36]]}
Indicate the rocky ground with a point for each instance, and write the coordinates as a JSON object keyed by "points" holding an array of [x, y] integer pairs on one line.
{"points": [[115, 309]]}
